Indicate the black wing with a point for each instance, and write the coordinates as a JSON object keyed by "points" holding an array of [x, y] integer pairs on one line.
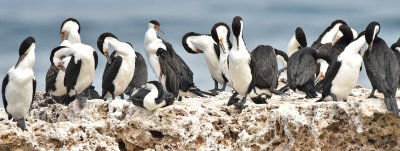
{"points": [[217, 50], [330, 75], [265, 67], [140, 74], [183, 68], [96, 59], [34, 90], [301, 67], [138, 97], [170, 70], [51, 77], [72, 73], [3, 92], [109, 74]]}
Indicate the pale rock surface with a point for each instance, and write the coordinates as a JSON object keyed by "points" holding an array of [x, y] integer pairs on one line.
{"points": [[285, 123]]}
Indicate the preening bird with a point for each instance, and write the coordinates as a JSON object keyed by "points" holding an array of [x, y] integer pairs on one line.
{"points": [[342, 74], [381, 66], [19, 85], [80, 71], [168, 66], [69, 32], [201, 43], [118, 69]]}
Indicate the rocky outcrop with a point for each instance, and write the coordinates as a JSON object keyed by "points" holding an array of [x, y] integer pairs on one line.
{"points": [[285, 123]]}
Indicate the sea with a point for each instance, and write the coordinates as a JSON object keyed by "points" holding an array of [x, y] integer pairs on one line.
{"points": [[266, 22]]}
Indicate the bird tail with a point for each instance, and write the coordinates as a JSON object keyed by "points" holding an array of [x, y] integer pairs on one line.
{"points": [[199, 92], [391, 104], [309, 89]]}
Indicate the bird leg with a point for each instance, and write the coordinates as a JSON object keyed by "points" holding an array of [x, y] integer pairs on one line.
{"points": [[214, 91], [21, 123], [240, 104], [9, 116], [122, 96], [345, 100], [223, 87], [333, 97], [233, 99], [372, 95]]}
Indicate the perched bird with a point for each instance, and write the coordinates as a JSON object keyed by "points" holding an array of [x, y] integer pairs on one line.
{"points": [[334, 51], [342, 74], [19, 85], [139, 77], [69, 32], [265, 61], [152, 96], [80, 72], [381, 66], [396, 50], [168, 66], [326, 37], [119, 69], [192, 41], [220, 33], [240, 65], [302, 66]]}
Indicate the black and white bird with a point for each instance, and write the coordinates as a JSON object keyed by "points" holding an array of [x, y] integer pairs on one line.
{"points": [[152, 96], [118, 69], [139, 77], [327, 36], [168, 66], [298, 41], [343, 73], [334, 51], [19, 85], [80, 71], [264, 64], [192, 41], [69, 32], [220, 33], [381, 66], [240, 65]]}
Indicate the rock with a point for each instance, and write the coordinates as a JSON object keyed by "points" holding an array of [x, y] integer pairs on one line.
{"points": [[285, 123]]}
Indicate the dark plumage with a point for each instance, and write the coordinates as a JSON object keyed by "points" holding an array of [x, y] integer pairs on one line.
{"points": [[381, 66], [140, 75]]}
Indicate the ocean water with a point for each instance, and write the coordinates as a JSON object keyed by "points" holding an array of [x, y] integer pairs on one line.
{"points": [[265, 22]]}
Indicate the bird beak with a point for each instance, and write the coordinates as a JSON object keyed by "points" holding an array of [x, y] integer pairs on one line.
{"points": [[367, 49], [63, 36], [320, 77], [20, 59], [159, 30], [107, 56], [335, 40], [220, 44], [61, 67], [199, 50]]}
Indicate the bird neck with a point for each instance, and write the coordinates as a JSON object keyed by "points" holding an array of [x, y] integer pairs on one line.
{"points": [[355, 46], [121, 48], [150, 36], [28, 61], [238, 43], [293, 45], [74, 37], [328, 36], [323, 65], [204, 41]]}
